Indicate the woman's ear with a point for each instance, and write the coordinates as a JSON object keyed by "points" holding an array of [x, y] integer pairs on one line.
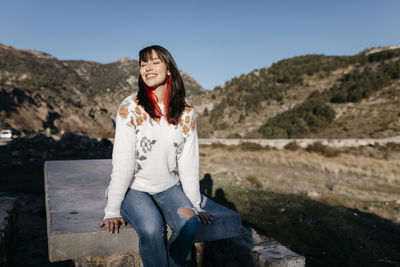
{"points": [[168, 73]]}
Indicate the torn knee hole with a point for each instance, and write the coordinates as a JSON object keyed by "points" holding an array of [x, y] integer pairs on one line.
{"points": [[187, 212]]}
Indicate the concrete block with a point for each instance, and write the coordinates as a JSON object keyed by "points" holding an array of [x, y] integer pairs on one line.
{"points": [[266, 252], [75, 207]]}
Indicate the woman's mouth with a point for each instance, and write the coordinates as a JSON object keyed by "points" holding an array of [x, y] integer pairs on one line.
{"points": [[150, 76]]}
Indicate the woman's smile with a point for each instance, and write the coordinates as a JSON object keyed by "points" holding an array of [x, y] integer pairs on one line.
{"points": [[149, 76]]}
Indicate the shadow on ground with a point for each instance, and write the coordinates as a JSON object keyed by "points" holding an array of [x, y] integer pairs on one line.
{"points": [[326, 235]]}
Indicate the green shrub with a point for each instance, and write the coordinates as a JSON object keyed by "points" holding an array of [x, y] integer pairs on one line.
{"points": [[308, 117], [358, 85], [249, 146], [234, 136], [218, 145], [384, 55]]}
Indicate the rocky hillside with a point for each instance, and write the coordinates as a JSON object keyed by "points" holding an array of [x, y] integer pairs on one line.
{"points": [[39, 93], [309, 96], [320, 96]]}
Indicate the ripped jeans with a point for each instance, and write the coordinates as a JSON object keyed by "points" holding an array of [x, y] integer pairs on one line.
{"points": [[143, 212]]}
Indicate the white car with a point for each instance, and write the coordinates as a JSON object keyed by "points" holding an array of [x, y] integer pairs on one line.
{"points": [[5, 134]]}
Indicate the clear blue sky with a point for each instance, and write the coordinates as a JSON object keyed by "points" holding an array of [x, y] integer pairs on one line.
{"points": [[213, 41]]}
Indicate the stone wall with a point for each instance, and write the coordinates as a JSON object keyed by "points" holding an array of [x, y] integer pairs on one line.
{"points": [[280, 143]]}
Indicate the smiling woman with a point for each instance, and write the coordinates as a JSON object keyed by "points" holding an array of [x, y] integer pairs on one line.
{"points": [[160, 82], [156, 164], [153, 70]]}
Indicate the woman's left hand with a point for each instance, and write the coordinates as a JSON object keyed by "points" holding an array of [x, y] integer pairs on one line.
{"points": [[205, 217]]}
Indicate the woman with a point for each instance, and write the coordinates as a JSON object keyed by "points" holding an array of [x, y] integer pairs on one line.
{"points": [[155, 161]]}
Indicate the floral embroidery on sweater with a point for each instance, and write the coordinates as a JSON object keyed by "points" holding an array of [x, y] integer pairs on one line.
{"points": [[193, 125], [146, 144], [187, 122], [178, 149], [138, 116], [137, 110], [141, 115], [132, 121], [187, 119], [123, 111]]}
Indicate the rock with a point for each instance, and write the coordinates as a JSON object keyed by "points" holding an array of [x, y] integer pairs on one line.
{"points": [[122, 260], [8, 223], [105, 142], [35, 150], [67, 136], [84, 141], [16, 153], [312, 194], [114, 260]]}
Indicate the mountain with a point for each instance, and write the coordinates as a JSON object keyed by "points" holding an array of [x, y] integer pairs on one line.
{"points": [[39, 93], [354, 96]]}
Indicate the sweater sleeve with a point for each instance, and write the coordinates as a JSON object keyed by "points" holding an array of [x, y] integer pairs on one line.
{"points": [[123, 161], [188, 165]]}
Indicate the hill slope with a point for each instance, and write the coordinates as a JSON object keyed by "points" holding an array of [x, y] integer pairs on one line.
{"points": [[39, 93], [306, 96], [358, 96]]}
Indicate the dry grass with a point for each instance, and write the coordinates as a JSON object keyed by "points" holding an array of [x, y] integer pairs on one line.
{"points": [[336, 211], [327, 151], [352, 181]]}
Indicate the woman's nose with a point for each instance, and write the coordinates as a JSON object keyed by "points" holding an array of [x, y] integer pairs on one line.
{"points": [[149, 67]]}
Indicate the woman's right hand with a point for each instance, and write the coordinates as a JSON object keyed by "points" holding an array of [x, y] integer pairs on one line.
{"points": [[112, 224], [205, 217]]}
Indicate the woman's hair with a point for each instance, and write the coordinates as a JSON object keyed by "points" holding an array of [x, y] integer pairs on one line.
{"points": [[174, 101]]}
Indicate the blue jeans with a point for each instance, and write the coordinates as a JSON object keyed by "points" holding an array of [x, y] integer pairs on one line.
{"points": [[144, 213]]}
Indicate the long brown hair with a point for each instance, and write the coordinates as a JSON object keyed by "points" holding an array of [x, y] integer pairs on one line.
{"points": [[175, 97]]}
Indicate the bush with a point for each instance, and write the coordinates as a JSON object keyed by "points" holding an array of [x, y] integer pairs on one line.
{"points": [[320, 148], [234, 136], [383, 55], [308, 117], [218, 145], [248, 146], [293, 146], [357, 85], [393, 147]]}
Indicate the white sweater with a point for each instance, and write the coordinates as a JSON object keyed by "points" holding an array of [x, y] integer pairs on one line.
{"points": [[152, 155]]}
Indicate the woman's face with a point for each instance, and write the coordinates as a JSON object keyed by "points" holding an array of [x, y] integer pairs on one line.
{"points": [[154, 72]]}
